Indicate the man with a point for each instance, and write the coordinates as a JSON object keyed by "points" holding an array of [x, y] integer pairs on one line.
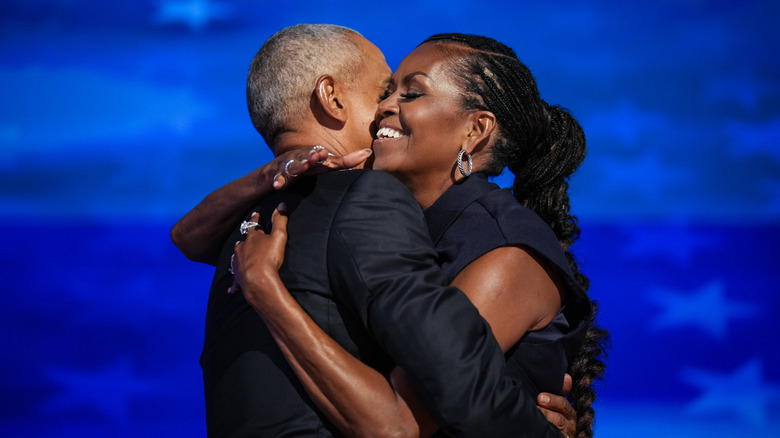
{"points": [[345, 228]]}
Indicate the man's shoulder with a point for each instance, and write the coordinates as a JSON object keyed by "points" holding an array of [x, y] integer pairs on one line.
{"points": [[340, 192], [363, 177], [358, 183]]}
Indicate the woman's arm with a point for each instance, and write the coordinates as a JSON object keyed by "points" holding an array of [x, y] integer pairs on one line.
{"points": [[491, 282], [513, 292], [200, 234], [356, 398]]}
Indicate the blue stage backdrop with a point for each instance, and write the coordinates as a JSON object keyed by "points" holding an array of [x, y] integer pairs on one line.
{"points": [[118, 117]]}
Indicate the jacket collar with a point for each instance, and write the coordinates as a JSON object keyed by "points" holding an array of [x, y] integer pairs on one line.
{"points": [[442, 213]]}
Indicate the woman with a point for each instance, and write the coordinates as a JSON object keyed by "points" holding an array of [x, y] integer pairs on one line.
{"points": [[467, 97]]}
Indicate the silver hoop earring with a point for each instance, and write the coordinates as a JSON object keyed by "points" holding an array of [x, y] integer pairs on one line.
{"points": [[460, 162]]}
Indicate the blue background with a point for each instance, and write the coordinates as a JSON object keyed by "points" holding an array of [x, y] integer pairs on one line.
{"points": [[117, 117]]}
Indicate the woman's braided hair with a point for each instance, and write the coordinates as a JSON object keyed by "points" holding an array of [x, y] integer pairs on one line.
{"points": [[542, 145]]}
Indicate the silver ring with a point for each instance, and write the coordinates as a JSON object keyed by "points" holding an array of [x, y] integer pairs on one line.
{"points": [[246, 225], [287, 167], [317, 148]]}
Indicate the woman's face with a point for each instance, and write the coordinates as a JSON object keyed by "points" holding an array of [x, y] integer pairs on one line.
{"points": [[420, 125]]}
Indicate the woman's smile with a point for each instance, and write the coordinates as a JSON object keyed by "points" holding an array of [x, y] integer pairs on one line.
{"points": [[388, 132]]}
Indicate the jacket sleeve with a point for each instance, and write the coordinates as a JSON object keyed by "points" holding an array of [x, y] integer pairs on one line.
{"points": [[382, 266]]}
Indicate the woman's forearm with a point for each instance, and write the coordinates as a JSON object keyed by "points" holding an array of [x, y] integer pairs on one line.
{"points": [[200, 234], [357, 399]]}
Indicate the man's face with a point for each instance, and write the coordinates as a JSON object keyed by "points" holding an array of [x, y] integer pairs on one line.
{"points": [[365, 94]]}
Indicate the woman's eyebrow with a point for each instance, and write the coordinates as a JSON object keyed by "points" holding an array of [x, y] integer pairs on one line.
{"points": [[411, 75], [408, 78]]}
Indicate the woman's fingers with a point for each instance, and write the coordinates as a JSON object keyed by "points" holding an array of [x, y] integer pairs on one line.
{"points": [[297, 162], [559, 412], [317, 156], [260, 253], [293, 163], [278, 236], [567, 382], [237, 258], [279, 220], [347, 161]]}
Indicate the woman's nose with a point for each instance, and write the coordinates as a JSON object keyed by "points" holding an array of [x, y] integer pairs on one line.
{"points": [[386, 107]]}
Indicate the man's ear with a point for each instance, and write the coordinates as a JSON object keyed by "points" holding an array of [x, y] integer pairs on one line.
{"points": [[480, 128], [328, 99]]}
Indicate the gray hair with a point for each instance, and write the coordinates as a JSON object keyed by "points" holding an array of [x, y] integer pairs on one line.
{"points": [[283, 74]]}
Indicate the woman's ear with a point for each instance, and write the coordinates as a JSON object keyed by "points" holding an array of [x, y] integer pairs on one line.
{"points": [[328, 100], [480, 128]]}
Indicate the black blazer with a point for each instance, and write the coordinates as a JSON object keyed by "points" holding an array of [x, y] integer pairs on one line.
{"points": [[360, 260]]}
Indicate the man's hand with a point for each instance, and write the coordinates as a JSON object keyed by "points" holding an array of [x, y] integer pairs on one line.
{"points": [[296, 162], [558, 410]]}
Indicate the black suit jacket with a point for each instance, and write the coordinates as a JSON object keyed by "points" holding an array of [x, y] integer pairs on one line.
{"points": [[360, 261]]}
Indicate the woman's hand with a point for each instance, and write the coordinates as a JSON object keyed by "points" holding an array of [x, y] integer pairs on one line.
{"points": [[558, 410], [296, 162], [256, 261]]}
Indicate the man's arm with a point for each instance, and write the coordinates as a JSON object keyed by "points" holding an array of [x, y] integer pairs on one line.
{"points": [[382, 264]]}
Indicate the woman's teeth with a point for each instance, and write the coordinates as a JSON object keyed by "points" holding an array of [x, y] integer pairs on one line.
{"points": [[388, 133]]}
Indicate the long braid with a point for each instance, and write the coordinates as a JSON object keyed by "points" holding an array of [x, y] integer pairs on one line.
{"points": [[542, 145]]}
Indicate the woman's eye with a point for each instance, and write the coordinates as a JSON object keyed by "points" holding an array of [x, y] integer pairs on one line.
{"points": [[410, 95], [387, 93]]}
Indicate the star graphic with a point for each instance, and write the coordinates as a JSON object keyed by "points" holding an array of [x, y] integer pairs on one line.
{"points": [[743, 393], [647, 174], [107, 390], [676, 242], [707, 309], [196, 14]]}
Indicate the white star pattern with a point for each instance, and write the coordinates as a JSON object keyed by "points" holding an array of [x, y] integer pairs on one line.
{"points": [[196, 14], [678, 198], [743, 393], [707, 309]]}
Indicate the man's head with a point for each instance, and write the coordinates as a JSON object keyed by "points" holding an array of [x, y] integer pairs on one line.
{"points": [[317, 74]]}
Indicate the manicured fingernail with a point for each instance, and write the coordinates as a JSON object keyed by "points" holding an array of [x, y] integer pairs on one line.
{"points": [[544, 398], [282, 207], [368, 151]]}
